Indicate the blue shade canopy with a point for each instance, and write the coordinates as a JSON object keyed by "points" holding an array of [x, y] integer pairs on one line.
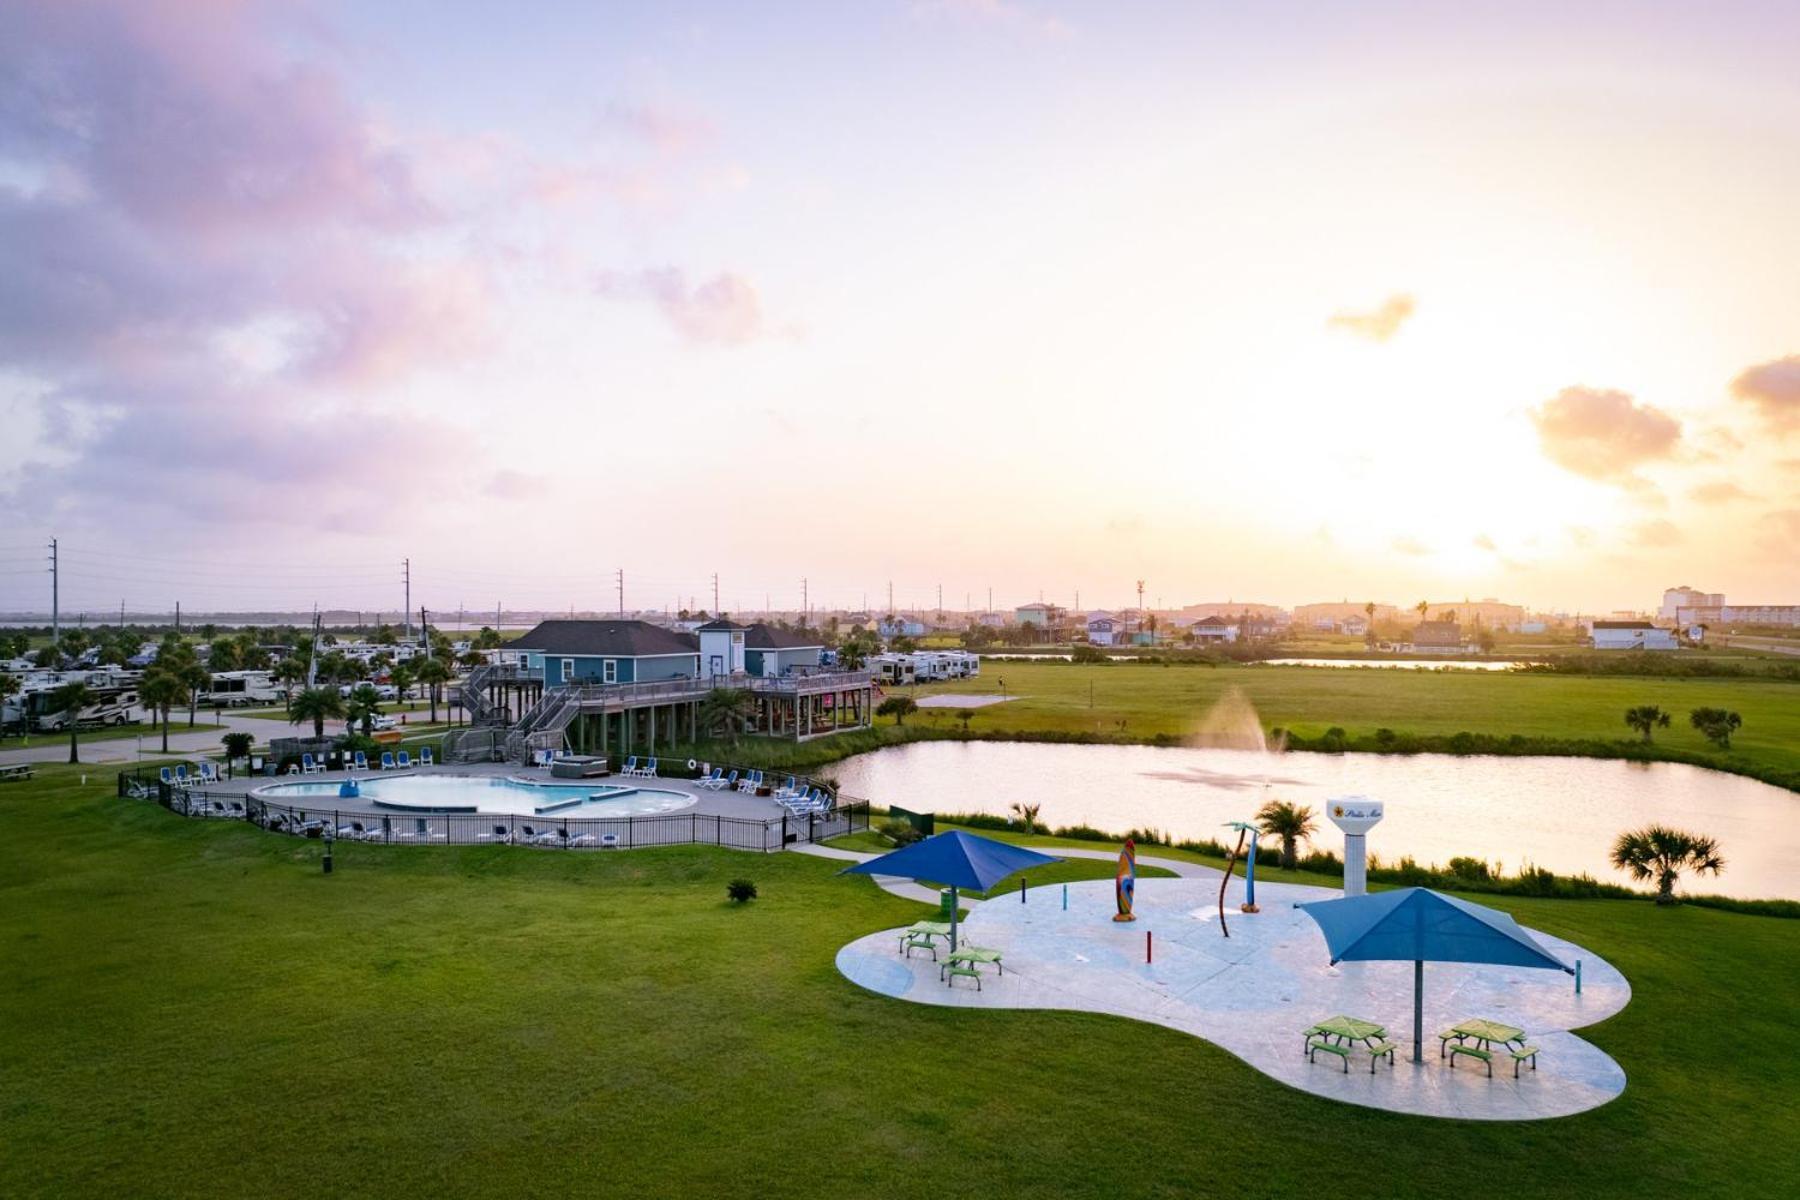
{"points": [[955, 859], [1421, 925]]}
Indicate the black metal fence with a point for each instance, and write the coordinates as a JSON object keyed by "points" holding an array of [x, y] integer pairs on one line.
{"points": [[466, 829]]}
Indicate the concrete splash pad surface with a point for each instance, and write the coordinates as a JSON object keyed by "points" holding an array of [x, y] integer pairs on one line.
{"points": [[1254, 993]]}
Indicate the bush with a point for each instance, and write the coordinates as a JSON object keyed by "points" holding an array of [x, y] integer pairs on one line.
{"points": [[901, 833], [740, 890], [1469, 868]]}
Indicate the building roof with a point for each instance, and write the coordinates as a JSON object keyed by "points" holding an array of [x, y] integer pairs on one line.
{"points": [[1438, 633], [621, 639], [767, 637], [721, 625], [1214, 623], [1623, 625]]}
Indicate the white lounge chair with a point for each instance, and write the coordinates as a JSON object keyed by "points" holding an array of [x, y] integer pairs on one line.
{"points": [[360, 762], [630, 767], [649, 771], [425, 759], [405, 760]]}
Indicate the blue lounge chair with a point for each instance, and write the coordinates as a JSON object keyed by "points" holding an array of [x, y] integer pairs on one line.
{"points": [[209, 773], [630, 767], [425, 759], [167, 775], [308, 766], [731, 781], [405, 761], [714, 781], [360, 762], [182, 778], [387, 760], [649, 771]]}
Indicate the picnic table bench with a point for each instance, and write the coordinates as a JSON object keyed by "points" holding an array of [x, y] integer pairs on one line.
{"points": [[16, 771], [1339, 1035], [1477, 1039], [967, 961], [919, 935]]}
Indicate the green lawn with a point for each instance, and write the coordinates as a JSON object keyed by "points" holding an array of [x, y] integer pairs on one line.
{"points": [[152, 735], [193, 1009]]}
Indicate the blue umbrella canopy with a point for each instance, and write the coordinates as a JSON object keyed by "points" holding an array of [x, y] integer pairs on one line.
{"points": [[1421, 925], [955, 859]]}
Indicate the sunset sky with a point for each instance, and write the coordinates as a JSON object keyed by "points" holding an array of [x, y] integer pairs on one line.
{"points": [[1279, 301]]}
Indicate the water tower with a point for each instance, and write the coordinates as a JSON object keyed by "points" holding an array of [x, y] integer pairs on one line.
{"points": [[1355, 815]]}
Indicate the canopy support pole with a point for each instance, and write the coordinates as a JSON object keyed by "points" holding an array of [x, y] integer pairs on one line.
{"points": [[1418, 1009], [953, 907]]}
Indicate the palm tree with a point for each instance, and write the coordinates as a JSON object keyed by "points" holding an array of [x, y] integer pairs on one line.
{"points": [[288, 672], [237, 745], [1290, 823], [1716, 724], [1646, 717], [1660, 853], [194, 677], [724, 710], [1423, 607], [159, 692], [364, 707], [401, 675], [316, 705], [433, 674], [71, 698]]}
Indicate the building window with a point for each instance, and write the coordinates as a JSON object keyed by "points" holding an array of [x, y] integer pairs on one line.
{"points": [[568, 669], [610, 670]]}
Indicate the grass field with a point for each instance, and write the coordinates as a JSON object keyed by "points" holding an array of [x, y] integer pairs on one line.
{"points": [[193, 1009], [151, 733]]}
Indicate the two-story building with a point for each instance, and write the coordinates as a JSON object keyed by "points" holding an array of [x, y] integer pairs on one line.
{"points": [[1103, 629], [608, 652]]}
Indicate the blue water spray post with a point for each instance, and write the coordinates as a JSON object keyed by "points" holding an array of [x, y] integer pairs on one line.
{"points": [[1246, 830]]}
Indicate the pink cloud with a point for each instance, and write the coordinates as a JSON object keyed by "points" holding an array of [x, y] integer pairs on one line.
{"points": [[1604, 435], [1379, 324], [723, 311], [1773, 390]]}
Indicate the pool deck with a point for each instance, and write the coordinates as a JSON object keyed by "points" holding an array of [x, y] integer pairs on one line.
{"points": [[1254, 993], [706, 801]]}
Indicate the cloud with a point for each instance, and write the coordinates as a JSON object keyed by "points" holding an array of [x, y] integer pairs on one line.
{"points": [[1773, 390], [1719, 492], [1779, 531], [1650, 535], [666, 128], [1604, 435], [1378, 325], [1484, 542], [508, 484], [723, 311], [1410, 545], [999, 14], [225, 264]]}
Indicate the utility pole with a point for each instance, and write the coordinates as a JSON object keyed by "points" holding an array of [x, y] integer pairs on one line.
{"points": [[890, 597], [990, 606], [406, 570], [178, 618], [55, 601], [805, 603], [1140, 605], [940, 608], [715, 610], [621, 591], [424, 629], [121, 613]]}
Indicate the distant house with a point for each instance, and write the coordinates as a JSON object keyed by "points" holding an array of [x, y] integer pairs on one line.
{"points": [[1632, 635], [1438, 637], [1354, 626], [1102, 628], [605, 652], [892, 627], [770, 652], [1214, 629]]}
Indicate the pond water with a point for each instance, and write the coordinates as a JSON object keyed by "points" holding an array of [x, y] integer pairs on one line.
{"points": [[1560, 813]]}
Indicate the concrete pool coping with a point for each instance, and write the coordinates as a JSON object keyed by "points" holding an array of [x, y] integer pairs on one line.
{"points": [[1254, 993]]}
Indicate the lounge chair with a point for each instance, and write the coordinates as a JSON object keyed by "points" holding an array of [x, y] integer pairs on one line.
{"points": [[543, 758], [500, 834], [610, 841], [423, 831], [789, 790], [730, 782], [182, 778], [351, 829], [649, 771], [748, 782], [219, 809], [405, 760], [360, 762], [582, 840], [425, 759], [167, 775], [534, 838], [238, 812], [630, 767], [310, 765], [714, 781], [387, 760], [209, 773]]}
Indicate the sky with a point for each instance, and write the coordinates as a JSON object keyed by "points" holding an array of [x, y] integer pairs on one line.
{"points": [[1281, 302]]}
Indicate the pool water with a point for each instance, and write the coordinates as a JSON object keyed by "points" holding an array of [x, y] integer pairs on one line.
{"points": [[488, 794]]}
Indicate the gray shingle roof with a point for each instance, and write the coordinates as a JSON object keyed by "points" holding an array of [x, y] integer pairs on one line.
{"points": [[621, 639], [767, 637]]}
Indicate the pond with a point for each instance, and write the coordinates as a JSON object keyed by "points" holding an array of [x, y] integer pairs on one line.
{"points": [[1559, 813]]}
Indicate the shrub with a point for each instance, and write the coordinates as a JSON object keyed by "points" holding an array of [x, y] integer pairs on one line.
{"points": [[901, 833], [1385, 737], [1469, 868], [740, 890]]}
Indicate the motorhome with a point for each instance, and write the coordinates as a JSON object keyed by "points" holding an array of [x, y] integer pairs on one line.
{"points": [[240, 689], [893, 668], [32, 710]]}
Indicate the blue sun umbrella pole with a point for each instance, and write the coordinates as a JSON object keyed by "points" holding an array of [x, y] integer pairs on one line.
{"points": [[1418, 925], [955, 860], [1255, 835]]}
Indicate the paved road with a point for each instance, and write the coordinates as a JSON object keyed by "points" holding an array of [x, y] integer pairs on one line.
{"points": [[44, 748], [1767, 645]]}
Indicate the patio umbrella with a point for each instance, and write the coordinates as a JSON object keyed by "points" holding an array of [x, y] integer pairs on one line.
{"points": [[957, 860], [1424, 926]]}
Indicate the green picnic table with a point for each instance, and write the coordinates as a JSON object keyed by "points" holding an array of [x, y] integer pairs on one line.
{"points": [[918, 935], [1347, 1029], [966, 961], [1486, 1035]]}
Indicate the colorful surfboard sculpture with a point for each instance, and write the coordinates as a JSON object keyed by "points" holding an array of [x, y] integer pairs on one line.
{"points": [[1125, 882]]}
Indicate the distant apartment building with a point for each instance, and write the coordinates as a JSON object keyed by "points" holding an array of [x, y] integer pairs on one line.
{"points": [[1049, 620], [1785, 616], [1632, 635], [1677, 598], [1331, 616]]}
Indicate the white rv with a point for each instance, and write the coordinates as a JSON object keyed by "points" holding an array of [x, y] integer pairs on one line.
{"points": [[240, 689]]}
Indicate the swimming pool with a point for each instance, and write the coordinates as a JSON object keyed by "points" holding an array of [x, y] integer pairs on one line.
{"points": [[486, 794]]}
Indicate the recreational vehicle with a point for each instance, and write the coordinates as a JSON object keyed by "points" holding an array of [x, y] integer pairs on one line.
{"points": [[235, 689]]}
